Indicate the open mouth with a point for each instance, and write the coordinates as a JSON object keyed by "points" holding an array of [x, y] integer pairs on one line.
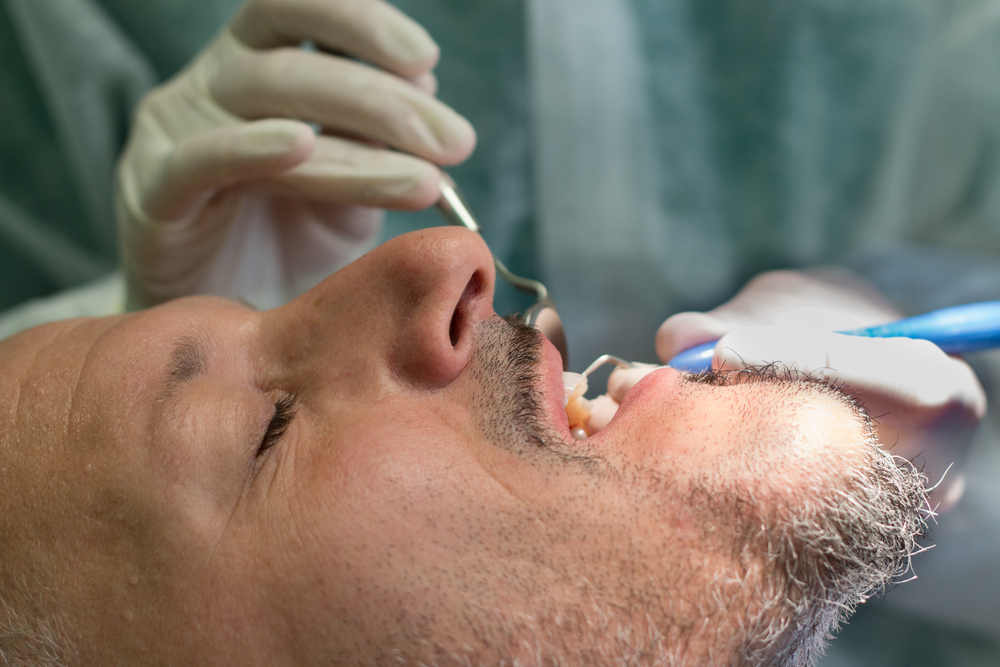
{"points": [[580, 418], [586, 417]]}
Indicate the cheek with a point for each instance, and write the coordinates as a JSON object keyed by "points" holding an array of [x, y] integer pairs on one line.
{"points": [[717, 438], [383, 522], [386, 485]]}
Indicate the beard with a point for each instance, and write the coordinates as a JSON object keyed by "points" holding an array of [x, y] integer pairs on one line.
{"points": [[578, 583]]}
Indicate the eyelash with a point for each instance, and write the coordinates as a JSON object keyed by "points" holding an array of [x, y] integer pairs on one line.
{"points": [[284, 413]]}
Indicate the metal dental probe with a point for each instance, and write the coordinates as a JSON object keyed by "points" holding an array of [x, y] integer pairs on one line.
{"points": [[607, 359], [542, 314]]}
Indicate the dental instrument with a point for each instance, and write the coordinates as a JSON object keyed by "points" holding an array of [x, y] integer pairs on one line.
{"points": [[606, 359], [542, 314], [958, 329], [578, 408]]}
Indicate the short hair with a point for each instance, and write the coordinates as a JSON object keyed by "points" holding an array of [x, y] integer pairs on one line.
{"points": [[32, 632]]}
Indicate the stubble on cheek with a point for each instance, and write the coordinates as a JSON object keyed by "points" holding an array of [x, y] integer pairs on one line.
{"points": [[615, 544], [681, 557], [777, 433]]}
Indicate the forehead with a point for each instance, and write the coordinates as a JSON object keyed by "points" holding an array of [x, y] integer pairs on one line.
{"points": [[40, 373], [76, 396], [39, 368], [108, 361]]}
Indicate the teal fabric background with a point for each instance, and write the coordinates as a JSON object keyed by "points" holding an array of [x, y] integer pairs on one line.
{"points": [[33, 176], [52, 234], [480, 37]]}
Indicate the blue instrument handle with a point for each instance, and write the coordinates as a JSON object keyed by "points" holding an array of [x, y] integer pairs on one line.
{"points": [[956, 330]]}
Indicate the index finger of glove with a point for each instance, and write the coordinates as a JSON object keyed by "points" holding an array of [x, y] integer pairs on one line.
{"points": [[825, 298], [341, 171], [371, 30], [343, 96]]}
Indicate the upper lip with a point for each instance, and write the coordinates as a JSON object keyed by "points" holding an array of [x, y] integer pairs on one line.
{"points": [[550, 370]]}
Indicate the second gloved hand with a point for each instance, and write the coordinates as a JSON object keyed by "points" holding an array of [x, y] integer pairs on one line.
{"points": [[926, 404], [226, 188]]}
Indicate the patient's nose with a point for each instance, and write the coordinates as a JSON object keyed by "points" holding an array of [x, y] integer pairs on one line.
{"points": [[409, 307], [441, 283]]}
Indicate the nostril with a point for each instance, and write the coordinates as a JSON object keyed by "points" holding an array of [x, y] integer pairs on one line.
{"points": [[473, 289], [456, 324]]}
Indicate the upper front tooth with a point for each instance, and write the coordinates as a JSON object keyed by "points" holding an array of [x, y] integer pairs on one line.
{"points": [[574, 386]]}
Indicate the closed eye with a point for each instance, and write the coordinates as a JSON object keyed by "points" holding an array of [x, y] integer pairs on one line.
{"points": [[284, 413]]}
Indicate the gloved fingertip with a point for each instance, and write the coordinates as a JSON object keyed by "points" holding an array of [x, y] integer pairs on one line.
{"points": [[623, 379], [684, 330], [426, 83], [409, 44], [466, 139], [218, 158], [411, 184], [454, 136], [426, 187]]}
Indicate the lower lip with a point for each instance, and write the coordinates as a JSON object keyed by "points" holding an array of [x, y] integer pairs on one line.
{"points": [[649, 393]]}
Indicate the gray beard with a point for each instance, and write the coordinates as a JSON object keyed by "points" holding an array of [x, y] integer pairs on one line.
{"points": [[786, 578]]}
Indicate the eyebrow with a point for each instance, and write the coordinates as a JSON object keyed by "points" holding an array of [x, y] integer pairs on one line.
{"points": [[188, 360]]}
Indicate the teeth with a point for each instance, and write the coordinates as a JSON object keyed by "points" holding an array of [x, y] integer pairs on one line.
{"points": [[587, 417], [574, 386], [601, 410], [577, 407]]}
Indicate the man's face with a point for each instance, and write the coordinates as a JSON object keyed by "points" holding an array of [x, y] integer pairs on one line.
{"points": [[383, 468]]}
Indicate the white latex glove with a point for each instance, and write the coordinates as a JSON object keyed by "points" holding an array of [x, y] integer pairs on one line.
{"points": [[926, 402], [225, 188], [825, 299]]}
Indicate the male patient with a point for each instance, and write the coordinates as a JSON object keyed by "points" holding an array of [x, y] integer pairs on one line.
{"points": [[381, 473]]}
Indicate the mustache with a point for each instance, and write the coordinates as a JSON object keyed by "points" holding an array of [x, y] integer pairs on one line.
{"points": [[513, 415], [508, 358]]}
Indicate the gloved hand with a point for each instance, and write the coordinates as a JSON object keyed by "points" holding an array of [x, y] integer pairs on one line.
{"points": [[826, 299], [927, 403], [225, 188]]}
